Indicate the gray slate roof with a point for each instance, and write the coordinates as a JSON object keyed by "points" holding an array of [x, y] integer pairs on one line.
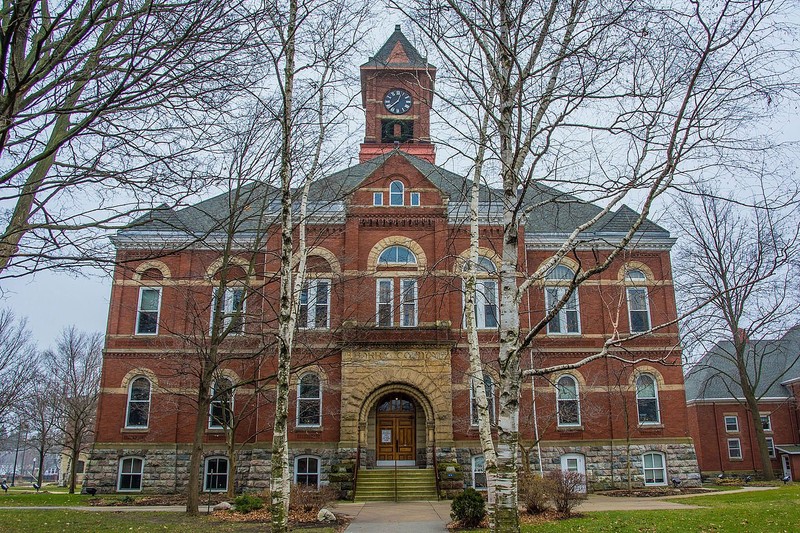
{"points": [[553, 212], [381, 58], [769, 361]]}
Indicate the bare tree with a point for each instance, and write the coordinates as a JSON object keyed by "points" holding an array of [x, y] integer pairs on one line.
{"points": [[743, 262], [17, 361], [41, 411], [606, 99], [74, 365]]}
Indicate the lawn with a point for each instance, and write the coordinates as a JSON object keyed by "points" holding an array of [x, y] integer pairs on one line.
{"points": [[27, 497], [770, 511], [53, 521]]}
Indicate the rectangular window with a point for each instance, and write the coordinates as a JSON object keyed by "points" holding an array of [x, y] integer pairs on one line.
{"points": [[408, 297], [216, 478], [479, 473], [384, 296], [149, 306], [377, 198], [473, 404], [771, 446], [314, 303], [732, 424], [306, 471], [638, 309], [485, 304], [655, 472], [415, 199], [232, 310], [734, 449], [567, 318], [130, 474], [766, 423]]}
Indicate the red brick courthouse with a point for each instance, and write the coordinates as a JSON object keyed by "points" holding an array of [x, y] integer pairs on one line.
{"points": [[381, 349]]}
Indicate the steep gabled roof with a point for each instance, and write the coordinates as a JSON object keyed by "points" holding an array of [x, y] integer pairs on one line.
{"points": [[773, 361], [397, 52]]}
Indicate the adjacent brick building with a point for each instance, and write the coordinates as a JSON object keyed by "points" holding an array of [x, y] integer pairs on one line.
{"points": [[721, 426], [382, 370]]}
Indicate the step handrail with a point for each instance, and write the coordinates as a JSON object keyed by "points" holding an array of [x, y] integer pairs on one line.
{"points": [[356, 468]]}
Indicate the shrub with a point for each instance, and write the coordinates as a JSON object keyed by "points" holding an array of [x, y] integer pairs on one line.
{"points": [[310, 499], [534, 492], [246, 503], [566, 490], [468, 508]]}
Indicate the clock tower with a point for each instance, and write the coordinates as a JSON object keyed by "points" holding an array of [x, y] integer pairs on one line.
{"points": [[397, 94]]}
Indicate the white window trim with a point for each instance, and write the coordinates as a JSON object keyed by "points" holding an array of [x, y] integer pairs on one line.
{"points": [[577, 399], [128, 403], [772, 453], [663, 469], [390, 303], [318, 472], [473, 419], [402, 194], [403, 303], [562, 313], [414, 199], [205, 473], [227, 319], [377, 198], [119, 474], [725, 423], [397, 263], [481, 303], [738, 445], [311, 287], [211, 424], [657, 421], [139, 310], [473, 460], [297, 414], [646, 304], [768, 416]]}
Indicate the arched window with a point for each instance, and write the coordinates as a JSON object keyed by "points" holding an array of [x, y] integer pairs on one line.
{"points": [[221, 409], [655, 468], [306, 471], [396, 193], [486, 294], [216, 475], [569, 406], [309, 400], [647, 399], [638, 302], [130, 474], [473, 404], [138, 403], [567, 319], [397, 255]]}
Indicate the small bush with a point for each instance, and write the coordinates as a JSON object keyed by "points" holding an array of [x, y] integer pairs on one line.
{"points": [[534, 492], [566, 490], [310, 499], [468, 508], [246, 503]]}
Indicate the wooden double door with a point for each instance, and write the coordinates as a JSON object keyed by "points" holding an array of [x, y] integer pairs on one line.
{"points": [[396, 431]]}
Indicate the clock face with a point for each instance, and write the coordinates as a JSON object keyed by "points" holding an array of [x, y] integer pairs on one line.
{"points": [[397, 101]]}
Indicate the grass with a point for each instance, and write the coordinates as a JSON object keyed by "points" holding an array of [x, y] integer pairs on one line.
{"points": [[26, 497]]}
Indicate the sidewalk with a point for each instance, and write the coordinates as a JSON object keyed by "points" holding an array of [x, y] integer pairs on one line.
{"points": [[389, 517]]}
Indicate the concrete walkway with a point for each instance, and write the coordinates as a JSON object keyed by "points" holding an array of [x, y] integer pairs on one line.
{"points": [[389, 517], [105, 508]]}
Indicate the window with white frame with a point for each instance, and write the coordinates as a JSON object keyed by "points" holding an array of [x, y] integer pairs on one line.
{"points": [[655, 468], [770, 446], [306, 471], [568, 402], [766, 422], [314, 304], [232, 309], [647, 399], [148, 310], [377, 198], [397, 255], [385, 302], [216, 475], [479, 473], [221, 410], [638, 302], [408, 303], [473, 403], [567, 319], [485, 294], [734, 449], [138, 411], [414, 199], [130, 474], [731, 423], [309, 400], [396, 193]]}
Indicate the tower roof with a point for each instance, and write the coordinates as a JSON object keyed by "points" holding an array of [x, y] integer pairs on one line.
{"points": [[397, 52]]}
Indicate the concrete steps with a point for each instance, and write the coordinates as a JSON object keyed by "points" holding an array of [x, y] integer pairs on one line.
{"points": [[403, 485]]}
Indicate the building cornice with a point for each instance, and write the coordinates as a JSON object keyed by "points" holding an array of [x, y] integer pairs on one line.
{"points": [[601, 241], [737, 400]]}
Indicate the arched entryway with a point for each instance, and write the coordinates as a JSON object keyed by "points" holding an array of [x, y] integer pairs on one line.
{"points": [[396, 432]]}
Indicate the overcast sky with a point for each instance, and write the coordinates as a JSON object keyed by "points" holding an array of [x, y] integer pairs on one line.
{"points": [[52, 301]]}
